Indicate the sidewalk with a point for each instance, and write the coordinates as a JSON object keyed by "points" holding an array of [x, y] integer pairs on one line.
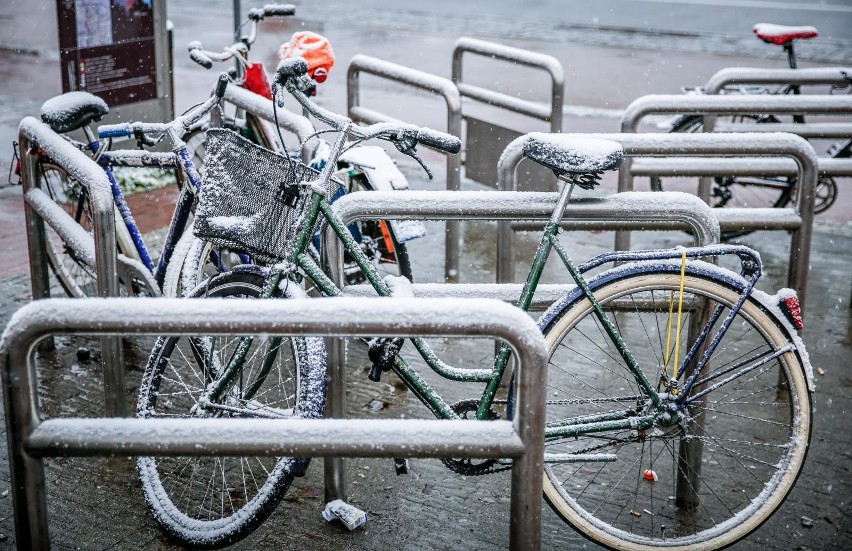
{"points": [[97, 504]]}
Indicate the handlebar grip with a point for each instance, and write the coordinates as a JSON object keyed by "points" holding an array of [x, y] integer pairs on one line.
{"points": [[222, 84], [120, 130], [271, 10], [201, 59], [290, 67], [439, 140], [279, 10]]}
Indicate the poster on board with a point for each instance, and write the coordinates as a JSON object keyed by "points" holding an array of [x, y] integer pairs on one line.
{"points": [[107, 48]]}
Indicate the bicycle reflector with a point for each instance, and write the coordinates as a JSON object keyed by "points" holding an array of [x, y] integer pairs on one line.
{"points": [[792, 311], [315, 49]]}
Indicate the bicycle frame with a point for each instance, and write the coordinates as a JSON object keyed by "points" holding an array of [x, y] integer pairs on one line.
{"points": [[183, 207], [699, 353]]}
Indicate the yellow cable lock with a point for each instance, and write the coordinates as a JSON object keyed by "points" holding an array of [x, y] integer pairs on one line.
{"points": [[678, 325]]}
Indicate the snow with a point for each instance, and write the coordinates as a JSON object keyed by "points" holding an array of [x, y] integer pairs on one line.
{"points": [[572, 153], [71, 159], [63, 105], [377, 166]]}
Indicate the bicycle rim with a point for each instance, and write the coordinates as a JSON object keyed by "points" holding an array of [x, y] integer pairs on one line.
{"points": [[754, 436], [378, 241], [75, 277], [214, 501]]}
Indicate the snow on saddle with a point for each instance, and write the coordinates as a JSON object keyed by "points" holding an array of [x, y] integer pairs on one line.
{"points": [[782, 34], [579, 159], [72, 110]]}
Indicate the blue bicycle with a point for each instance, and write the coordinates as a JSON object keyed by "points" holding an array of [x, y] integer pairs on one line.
{"points": [[137, 271]]}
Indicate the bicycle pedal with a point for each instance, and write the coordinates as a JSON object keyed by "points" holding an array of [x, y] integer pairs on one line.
{"points": [[375, 373], [383, 351], [400, 465], [300, 467]]}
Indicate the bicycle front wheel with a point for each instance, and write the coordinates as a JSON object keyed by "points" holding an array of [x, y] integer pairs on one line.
{"points": [[214, 501], [711, 479]]}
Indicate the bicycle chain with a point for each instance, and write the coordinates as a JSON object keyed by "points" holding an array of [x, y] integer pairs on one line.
{"points": [[466, 466]]}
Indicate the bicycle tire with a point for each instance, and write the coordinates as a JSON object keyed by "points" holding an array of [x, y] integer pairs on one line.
{"points": [[196, 148], [755, 433], [211, 502], [379, 242], [737, 192], [74, 275], [193, 261]]}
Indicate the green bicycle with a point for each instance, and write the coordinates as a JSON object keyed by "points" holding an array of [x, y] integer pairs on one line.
{"points": [[678, 410]]}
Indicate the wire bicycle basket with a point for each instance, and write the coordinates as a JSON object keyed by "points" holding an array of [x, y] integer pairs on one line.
{"points": [[252, 199]]}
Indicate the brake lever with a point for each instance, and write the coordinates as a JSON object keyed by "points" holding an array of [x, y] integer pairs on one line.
{"points": [[406, 145], [142, 140]]}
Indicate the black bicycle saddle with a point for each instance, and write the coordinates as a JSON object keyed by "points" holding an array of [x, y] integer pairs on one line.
{"points": [[72, 110], [572, 155]]}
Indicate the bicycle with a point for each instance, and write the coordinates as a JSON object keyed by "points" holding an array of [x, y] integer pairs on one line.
{"points": [[636, 397], [764, 192], [77, 110], [361, 169]]}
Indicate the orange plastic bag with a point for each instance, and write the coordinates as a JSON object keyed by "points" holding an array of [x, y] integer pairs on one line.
{"points": [[314, 48]]}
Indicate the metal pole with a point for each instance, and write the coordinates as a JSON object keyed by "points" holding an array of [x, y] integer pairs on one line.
{"points": [[237, 11], [423, 81], [83, 437], [84, 170]]}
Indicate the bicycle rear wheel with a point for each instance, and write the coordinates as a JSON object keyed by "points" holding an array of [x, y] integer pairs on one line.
{"points": [[74, 275], [658, 487], [379, 242], [214, 501], [736, 191]]}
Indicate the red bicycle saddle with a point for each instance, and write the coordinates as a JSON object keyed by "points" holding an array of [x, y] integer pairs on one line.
{"points": [[781, 34]]}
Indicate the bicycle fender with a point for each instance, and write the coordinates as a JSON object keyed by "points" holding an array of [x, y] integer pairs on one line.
{"points": [[377, 166], [769, 302], [772, 305], [383, 175]]}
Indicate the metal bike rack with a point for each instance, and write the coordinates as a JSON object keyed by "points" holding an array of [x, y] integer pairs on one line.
{"points": [[732, 166], [798, 77], [484, 141], [101, 252], [479, 159], [30, 438], [724, 105], [799, 219], [676, 210], [422, 81], [261, 107], [801, 77]]}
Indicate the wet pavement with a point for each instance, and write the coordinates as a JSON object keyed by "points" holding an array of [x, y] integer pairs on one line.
{"points": [[97, 504]]}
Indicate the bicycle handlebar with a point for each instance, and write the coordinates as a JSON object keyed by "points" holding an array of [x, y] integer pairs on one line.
{"points": [[198, 56], [178, 127], [439, 140], [205, 58], [290, 73]]}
